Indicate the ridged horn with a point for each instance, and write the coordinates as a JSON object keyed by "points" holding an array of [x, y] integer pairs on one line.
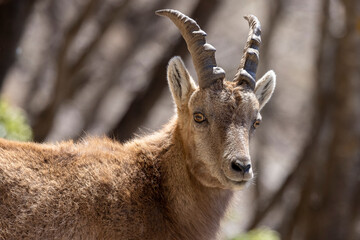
{"points": [[250, 59], [202, 53]]}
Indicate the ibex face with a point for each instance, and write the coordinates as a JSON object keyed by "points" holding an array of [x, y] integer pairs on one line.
{"points": [[217, 118]]}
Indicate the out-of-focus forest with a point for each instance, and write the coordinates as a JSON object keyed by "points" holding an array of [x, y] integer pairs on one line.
{"points": [[91, 67]]}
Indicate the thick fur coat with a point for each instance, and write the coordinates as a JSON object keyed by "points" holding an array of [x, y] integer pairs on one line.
{"points": [[173, 184], [100, 189]]}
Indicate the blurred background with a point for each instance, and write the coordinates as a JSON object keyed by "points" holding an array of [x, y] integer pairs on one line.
{"points": [[72, 68]]}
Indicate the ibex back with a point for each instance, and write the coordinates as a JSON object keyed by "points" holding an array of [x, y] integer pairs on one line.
{"points": [[173, 184]]}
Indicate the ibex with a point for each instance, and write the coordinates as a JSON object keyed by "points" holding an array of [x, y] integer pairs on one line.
{"points": [[173, 184]]}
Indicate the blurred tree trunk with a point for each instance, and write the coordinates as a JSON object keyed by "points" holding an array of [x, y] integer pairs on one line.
{"points": [[328, 207], [13, 16], [337, 212], [326, 177], [43, 123], [142, 36], [65, 82]]}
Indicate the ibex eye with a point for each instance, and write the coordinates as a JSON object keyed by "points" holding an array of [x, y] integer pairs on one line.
{"points": [[199, 117], [256, 123]]}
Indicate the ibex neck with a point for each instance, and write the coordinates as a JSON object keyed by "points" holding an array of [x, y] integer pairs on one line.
{"points": [[194, 210]]}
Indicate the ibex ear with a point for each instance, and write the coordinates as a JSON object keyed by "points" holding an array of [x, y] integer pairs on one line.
{"points": [[180, 82], [265, 87]]}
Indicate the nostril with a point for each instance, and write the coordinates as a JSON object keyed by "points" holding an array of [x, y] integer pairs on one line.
{"points": [[247, 168], [236, 166]]}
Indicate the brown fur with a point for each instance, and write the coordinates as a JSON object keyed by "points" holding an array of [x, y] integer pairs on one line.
{"points": [[100, 189], [173, 184]]}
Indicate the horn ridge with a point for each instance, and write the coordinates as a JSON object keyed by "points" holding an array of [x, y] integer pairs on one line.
{"points": [[202, 53], [249, 61]]}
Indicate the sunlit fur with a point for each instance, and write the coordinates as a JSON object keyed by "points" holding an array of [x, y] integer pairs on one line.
{"points": [[173, 184]]}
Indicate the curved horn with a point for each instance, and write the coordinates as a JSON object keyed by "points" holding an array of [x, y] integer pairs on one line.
{"points": [[250, 59], [203, 54]]}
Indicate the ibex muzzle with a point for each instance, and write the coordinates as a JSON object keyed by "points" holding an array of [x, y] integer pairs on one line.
{"points": [[218, 117]]}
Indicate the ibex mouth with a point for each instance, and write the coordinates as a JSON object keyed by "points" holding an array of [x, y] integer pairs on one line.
{"points": [[237, 181], [238, 184]]}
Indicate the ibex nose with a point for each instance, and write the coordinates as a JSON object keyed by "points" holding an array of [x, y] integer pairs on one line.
{"points": [[240, 166]]}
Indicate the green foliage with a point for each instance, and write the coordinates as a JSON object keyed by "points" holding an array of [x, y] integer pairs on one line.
{"points": [[13, 124], [259, 234]]}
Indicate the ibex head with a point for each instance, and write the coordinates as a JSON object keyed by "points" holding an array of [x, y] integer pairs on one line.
{"points": [[217, 119]]}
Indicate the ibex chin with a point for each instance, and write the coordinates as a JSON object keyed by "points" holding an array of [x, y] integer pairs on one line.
{"points": [[173, 184]]}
